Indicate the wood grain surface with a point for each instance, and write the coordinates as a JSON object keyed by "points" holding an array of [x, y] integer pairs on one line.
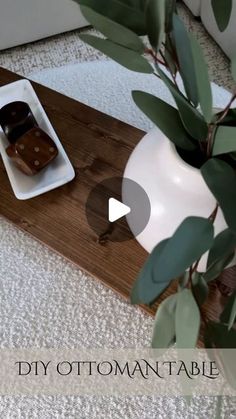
{"points": [[98, 147]]}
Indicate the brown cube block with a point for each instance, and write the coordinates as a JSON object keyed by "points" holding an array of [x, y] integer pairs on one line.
{"points": [[16, 118], [33, 151]]}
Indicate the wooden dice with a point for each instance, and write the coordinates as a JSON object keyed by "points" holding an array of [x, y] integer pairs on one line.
{"points": [[33, 151], [16, 119], [30, 147]]}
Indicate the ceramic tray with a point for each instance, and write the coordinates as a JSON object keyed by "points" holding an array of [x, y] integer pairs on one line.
{"points": [[59, 172]]}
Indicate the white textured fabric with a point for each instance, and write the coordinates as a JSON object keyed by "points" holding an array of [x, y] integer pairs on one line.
{"points": [[194, 6], [108, 87], [47, 302], [226, 39]]}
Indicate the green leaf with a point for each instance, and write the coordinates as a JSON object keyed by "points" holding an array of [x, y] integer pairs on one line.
{"points": [[169, 55], [155, 21], [232, 315], [224, 244], [217, 268], [129, 59], [114, 31], [187, 320], [233, 156], [191, 118], [202, 79], [170, 259], [233, 68], [183, 281], [144, 289], [222, 12], [224, 141], [228, 315], [165, 117], [229, 119], [220, 255], [221, 180], [185, 57], [137, 4], [164, 323], [140, 3], [220, 336], [128, 15], [190, 241], [170, 9], [200, 288]]}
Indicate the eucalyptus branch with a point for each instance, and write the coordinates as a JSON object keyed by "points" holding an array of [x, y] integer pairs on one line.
{"points": [[181, 55]]}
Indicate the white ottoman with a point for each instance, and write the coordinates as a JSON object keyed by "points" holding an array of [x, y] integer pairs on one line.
{"points": [[25, 21], [194, 6], [226, 39]]}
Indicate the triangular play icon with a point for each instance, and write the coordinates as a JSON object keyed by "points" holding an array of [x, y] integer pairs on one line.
{"points": [[116, 210]]}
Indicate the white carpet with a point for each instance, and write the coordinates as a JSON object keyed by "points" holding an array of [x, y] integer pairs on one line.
{"points": [[107, 86], [47, 302]]}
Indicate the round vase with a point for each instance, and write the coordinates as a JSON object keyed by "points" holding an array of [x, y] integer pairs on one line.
{"points": [[175, 189]]}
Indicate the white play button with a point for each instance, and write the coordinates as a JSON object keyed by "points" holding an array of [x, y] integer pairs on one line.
{"points": [[116, 210]]}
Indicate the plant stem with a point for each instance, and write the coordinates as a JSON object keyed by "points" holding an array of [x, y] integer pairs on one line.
{"points": [[210, 136], [157, 75], [173, 52], [154, 56], [214, 213], [167, 66], [226, 110]]}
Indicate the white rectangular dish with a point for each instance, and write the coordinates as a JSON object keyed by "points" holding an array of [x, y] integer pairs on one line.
{"points": [[59, 172]]}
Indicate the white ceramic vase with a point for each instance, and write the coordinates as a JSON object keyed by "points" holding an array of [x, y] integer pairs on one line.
{"points": [[175, 189]]}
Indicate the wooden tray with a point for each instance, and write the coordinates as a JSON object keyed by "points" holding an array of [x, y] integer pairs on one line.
{"points": [[98, 147]]}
